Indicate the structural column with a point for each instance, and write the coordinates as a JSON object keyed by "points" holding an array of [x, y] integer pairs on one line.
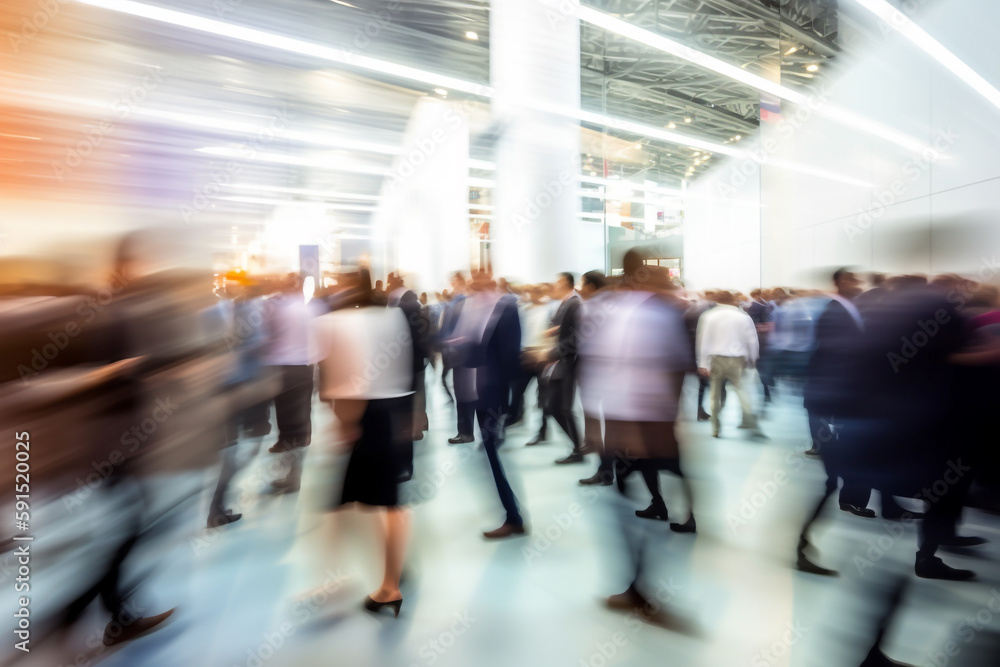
{"points": [[535, 76]]}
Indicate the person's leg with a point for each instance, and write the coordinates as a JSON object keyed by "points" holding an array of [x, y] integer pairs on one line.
{"points": [[803, 562], [735, 368], [717, 379], [489, 427], [395, 531], [301, 415], [563, 396], [465, 412], [284, 407], [674, 465], [444, 380], [651, 476]]}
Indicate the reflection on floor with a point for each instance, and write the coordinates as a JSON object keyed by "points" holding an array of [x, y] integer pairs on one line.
{"points": [[243, 592]]}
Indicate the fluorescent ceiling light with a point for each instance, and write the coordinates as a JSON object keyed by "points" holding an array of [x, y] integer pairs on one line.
{"points": [[333, 163], [291, 202], [899, 22], [289, 44], [472, 35], [326, 194]]}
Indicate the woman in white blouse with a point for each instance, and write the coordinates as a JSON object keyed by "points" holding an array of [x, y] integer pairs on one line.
{"points": [[366, 378]]}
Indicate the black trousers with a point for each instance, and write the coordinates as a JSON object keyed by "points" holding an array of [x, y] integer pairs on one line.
{"points": [[491, 425], [561, 398], [293, 406]]}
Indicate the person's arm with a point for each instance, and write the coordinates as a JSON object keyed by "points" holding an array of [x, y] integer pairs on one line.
{"points": [[704, 363], [752, 342]]}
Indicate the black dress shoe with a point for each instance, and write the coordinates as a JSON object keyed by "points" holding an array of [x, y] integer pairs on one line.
{"points": [[688, 526], [574, 457], [932, 567], [224, 518], [460, 439], [537, 440], [506, 530], [812, 451], [375, 606], [703, 416], [597, 480], [653, 512], [803, 564], [117, 633], [858, 511]]}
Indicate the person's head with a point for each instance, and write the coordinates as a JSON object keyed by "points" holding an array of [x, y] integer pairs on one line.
{"points": [[876, 279], [378, 286], [846, 283], [779, 296], [423, 298], [482, 281], [564, 285], [756, 294], [591, 282], [725, 298], [634, 272], [394, 282], [458, 283]]}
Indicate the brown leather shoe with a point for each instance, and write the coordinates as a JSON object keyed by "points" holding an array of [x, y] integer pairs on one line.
{"points": [[116, 633], [506, 530]]}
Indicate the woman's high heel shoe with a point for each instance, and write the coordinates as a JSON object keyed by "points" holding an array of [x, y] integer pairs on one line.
{"points": [[374, 606]]}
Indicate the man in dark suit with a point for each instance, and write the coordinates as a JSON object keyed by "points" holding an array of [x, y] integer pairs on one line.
{"points": [[828, 390], [488, 342], [562, 383], [407, 301]]}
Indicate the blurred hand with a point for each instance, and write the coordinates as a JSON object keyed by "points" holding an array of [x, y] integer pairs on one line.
{"points": [[703, 372]]}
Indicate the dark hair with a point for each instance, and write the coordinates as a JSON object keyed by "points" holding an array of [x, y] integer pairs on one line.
{"points": [[595, 279], [840, 273], [568, 277]]}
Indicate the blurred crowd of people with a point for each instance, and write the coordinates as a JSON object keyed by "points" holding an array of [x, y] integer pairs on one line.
{"points": [[897, 380]]}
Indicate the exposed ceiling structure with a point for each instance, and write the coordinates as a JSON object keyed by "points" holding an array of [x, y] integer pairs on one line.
{"points": [[171, 144]]}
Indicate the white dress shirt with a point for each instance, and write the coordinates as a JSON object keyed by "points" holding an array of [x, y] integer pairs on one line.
{"points": [[367, 354], [726, 331]]}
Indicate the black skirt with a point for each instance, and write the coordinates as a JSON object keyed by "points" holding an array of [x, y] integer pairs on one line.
{"points": [[379, 457]]}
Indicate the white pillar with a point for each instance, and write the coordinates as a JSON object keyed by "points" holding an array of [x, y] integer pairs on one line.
{"points": [[422, 225], [535, 70]]}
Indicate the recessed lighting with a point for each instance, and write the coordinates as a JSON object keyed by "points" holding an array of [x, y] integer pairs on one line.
{"points": [[687, 119], [472, 35], [791, 50], [671, 125], [441, 91], [638, 146], [812, 68], [737, 138]]}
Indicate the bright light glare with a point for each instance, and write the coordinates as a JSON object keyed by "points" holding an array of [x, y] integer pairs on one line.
{"points": [[899, 22]]}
